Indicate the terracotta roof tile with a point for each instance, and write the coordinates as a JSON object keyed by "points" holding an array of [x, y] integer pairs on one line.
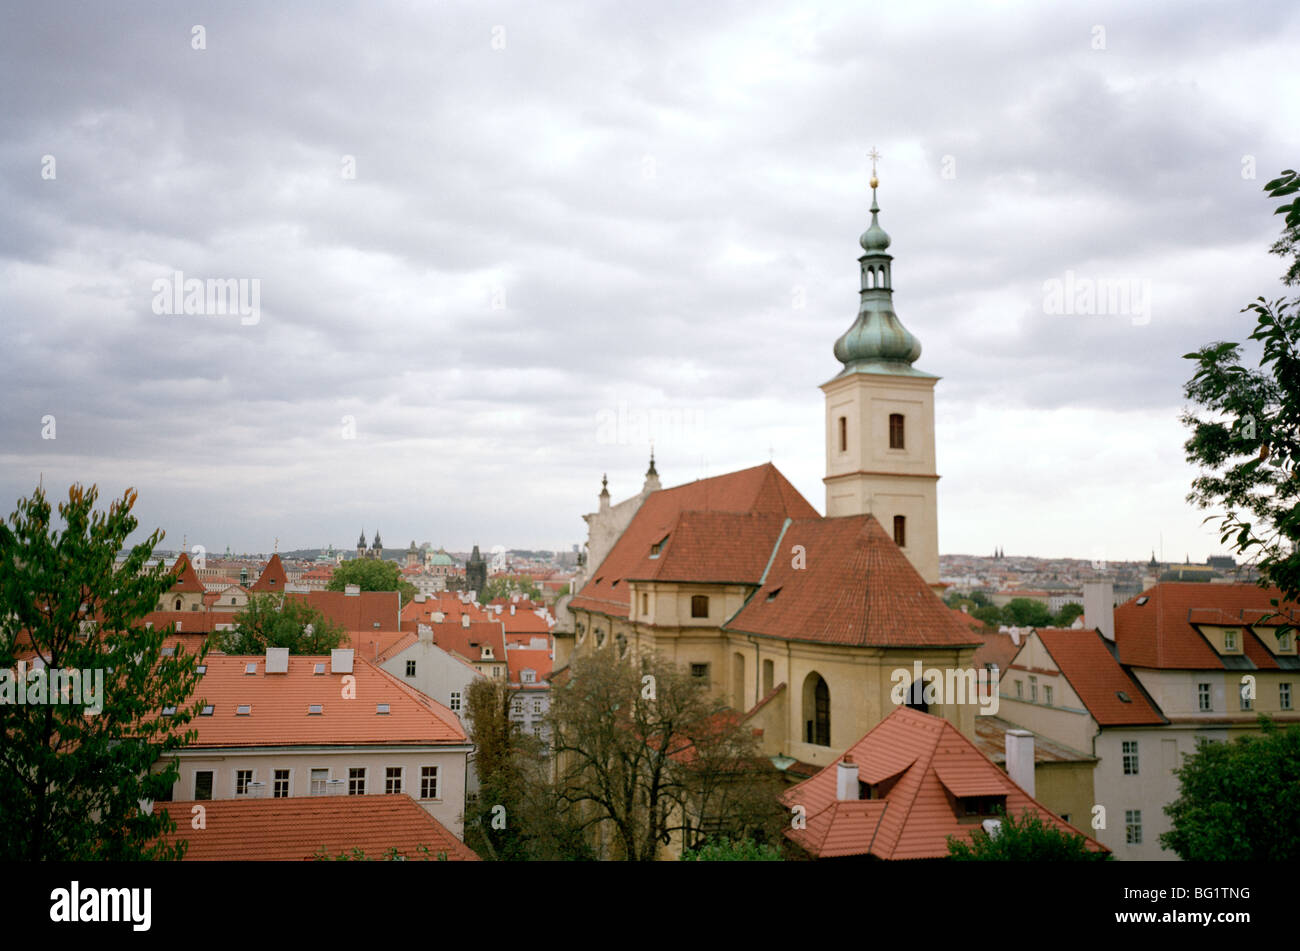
{"points": [[280, 703], [1086, 662], [187, 579], [913, 814], [357, 613], [296, 828], [273, 576], [851, 586], [761, 490]]}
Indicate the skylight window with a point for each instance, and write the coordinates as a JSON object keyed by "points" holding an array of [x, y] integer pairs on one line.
{"points": [[772, 594], [202, 669], [207, 711], [243, 710], [250, 668], [315, 709], [381, 708], [169, 652], [320, 668], [1124, 698], [169, 711], [1142, 600]]}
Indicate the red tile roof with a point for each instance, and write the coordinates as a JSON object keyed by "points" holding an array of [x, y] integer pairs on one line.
{"points": [[273, 577], [357, 613], [918, 762], [761, 490], [280, 704], [519, 659], [998, 649], [296, 828], [852, 585], [468, 642], [1161, 633], [187, 579], [1086, 662]]}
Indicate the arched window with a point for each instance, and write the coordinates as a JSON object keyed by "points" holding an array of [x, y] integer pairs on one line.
{"points": [[699, 605], [916, 697], [816, 710], [871, 278], [178, 604], [900, 531], [769, 676], [896, 431]]}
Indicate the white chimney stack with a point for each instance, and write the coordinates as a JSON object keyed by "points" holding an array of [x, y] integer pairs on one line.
{"points": [[464, 620], [1099, 607], [341, 661], [352, 590], [846, 779], [277, 660], [1020, 759]]}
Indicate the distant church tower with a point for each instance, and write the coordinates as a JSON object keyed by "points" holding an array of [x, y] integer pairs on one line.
{"points": [[361, 544], [476, 572], [880, 417]]}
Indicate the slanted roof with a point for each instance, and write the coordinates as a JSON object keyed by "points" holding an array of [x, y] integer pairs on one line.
{"points": [[851, 585], [1162, 632], [991, 738], [912, 817], [761, 490], [280, 706], [187, 579], [363, 612], [298, 827], [1086, 662], [519, 659], [273, 576]]}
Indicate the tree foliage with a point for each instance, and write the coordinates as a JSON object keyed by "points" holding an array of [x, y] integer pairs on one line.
{"points": [[1245, 426], [733, 850], [1237, 800], [504, 586], [72, 782], [371, 574], [1024, 839], [274, 620], [645, 753]]}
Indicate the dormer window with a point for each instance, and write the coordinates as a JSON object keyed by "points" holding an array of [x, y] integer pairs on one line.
{"points": [[772, 595], [528, 676], [1284, 641], [658, 546], [1229, 640], [983, 805]]}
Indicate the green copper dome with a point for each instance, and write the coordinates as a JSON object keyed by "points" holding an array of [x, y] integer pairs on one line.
{"points": [[877, 342]]}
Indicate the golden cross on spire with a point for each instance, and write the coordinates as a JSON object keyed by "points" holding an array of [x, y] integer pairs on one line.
{"points": [[873, 155]]}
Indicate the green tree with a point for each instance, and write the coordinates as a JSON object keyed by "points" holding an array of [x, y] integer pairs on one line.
{"points": [[1068, 614], [728, 850], [1237, 800], [504, 586], [1026, 612], [991, 615], [371, 574], [274, 620], [1026, 839], [71, 784], [1245, 426], [645, 752]]}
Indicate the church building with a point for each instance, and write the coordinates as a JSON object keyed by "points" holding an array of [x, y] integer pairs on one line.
{"points": [[801, 621]]}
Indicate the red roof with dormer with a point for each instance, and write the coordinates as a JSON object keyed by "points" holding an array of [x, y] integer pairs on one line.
{"points": [[272, 578], [187, 579], [920, 767]]}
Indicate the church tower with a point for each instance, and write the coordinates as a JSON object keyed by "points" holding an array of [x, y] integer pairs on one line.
{"points": [[880, 416]]}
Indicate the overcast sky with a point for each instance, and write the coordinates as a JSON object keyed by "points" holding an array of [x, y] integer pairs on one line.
{"points": [[513, 242]]}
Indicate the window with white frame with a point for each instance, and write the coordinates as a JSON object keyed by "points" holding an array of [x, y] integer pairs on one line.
{"points": [[1203, 697], [1284, 696], [1130, 751], [393, 780], [1133, 826], [454, 702], [1033, 689], [319, 781], [1047, 695], [528, 677], [1020, 690], [280, 788], [1229, 640], [357, 781], [242, 778], [428, 782]]}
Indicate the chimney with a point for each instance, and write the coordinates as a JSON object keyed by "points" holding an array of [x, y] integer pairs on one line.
{"points": [[277, 660], [464, 620], [1099, 607], [341, 661], [439, 617], [425, 633], [1020, 759], [352, 590], [846, 779]]}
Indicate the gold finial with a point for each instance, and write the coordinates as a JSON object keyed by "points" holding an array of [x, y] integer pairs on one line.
{"points": [[873, 155]]}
